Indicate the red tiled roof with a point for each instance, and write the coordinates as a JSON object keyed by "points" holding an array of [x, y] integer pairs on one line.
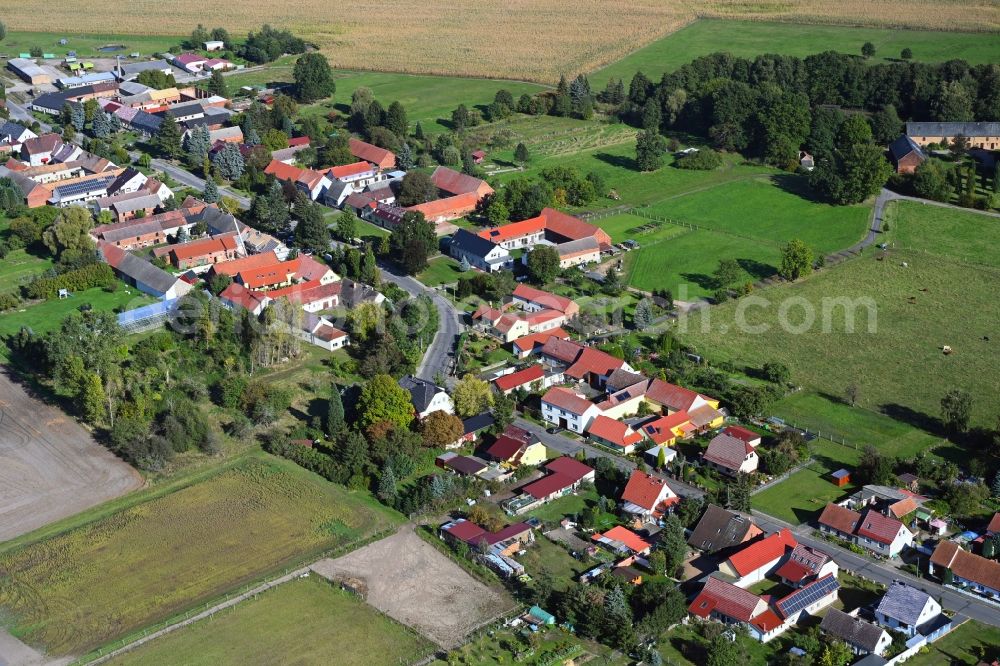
{"points": [[739, 432], [969, 566], [793, 571], [307, 292], [614, 432], [767, 621], [349, 170], [593, 361], [727, 451], [282, 171], [839, 518], [237, 294], [246, 263], [903, 507], [371, 153], [630, 539], [204, 246], [569, 227], [465, 530], [514, 230], [878, 527], [645, 490], [298, 141], [566, 351], [762, 552], [994, 526], [530, 341], [544, 298], [563, 398], [454, 182], [802, 563], [520, 378], [726, 599], [569, 467], [542, 316], [505, 448], [669, 395], [454, 206]]}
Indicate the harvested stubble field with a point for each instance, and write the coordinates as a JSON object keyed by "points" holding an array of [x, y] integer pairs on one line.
{"points": [[526, 39], [88, 586]]}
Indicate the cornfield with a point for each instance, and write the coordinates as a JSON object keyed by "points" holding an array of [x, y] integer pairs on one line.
{"points": [[522, 39]]}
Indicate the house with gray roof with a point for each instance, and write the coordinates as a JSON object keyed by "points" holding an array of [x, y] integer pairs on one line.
{"points": [[978, 135], [480, 252], [862, 637], [427, 397], [908, 610], [131, 70], [143, 275], [906, 155]]}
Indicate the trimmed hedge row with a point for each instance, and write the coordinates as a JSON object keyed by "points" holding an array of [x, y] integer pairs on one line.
{"points": [[80, 279]]}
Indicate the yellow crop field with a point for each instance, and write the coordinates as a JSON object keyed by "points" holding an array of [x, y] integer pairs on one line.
{"points": [[523, 39]]}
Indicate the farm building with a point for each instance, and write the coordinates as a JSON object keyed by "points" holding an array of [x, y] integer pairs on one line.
{"points": [[29, 71]]}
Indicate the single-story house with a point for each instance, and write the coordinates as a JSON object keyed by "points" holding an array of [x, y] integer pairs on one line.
{"points": [[961, 568], [647, 497], [564, 475], [614, 434], [906, 155], [622, 541], [908, 610], [427, 397], [861, 636], [731, 455], [759, 559], [516, 447], [720, 529]]}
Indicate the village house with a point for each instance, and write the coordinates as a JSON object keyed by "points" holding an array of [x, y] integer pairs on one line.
{"points": [[480, 253], [720, 529], [555, 228], [564, 476], [320, 332], [494, 549], [724, 602], [38, 150], [237, 296], [613, 434], [528, 344], [143, 275], [13, 136], [313, 183], [759, 559], [263, 272], [804, 565], [906, 155], [531, 378], [471, 427], [647, 497], [984, 135], [349, 179], [873, 531], [910, 611], [509, 326], [530, 299], [568, 410], [427, 397], [861, 636], [516, 447], [963, 569], [200, 254], [622, 541], [444, 210], [730, 455], [461, 465]]}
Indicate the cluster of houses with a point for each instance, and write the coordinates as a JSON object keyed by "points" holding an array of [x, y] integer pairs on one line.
{"points": [[576, 241], [53, 172]]}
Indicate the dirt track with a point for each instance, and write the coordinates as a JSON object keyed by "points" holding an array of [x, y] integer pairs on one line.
{"points": [[50, 466], [410, 581]]}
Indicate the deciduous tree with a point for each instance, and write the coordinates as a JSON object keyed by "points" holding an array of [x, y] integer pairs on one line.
{"points": [[472, 396], [313, 77], [383, 400]]}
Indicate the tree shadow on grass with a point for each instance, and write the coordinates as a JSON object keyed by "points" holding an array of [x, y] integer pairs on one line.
{"points": [[757, 269], [700, 279], [620, 161], [796, 184], [913, 417]]}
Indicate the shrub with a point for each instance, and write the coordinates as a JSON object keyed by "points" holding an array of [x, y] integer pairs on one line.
{"points": [[80, 279], [705, 159]]}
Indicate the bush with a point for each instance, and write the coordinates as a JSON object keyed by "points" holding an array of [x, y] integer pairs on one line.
{"points": [[80, 279], [705, 159], [9, 301]]}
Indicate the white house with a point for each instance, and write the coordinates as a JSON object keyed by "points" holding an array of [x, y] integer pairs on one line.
{"points": [[731, 455], [479, 252], [861, 636], [646, 496], [906, 609], [753, 563], [569, 410], [427, 397]]}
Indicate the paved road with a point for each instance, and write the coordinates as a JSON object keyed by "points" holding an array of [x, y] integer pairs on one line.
{"points": [[437, 356], [185, 177]]}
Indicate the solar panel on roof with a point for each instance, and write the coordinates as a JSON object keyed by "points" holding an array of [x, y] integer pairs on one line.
{"points": [[86, 186], [808, 595]]}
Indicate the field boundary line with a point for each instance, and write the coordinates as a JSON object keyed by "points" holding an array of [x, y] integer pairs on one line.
{"points": [[221, 602]]}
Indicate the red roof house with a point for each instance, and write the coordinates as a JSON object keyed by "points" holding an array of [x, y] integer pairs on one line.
{"points": [[614, 433], [623, 540], [754, 562], [380, 157], [515, 380], [527, 344], [647, 496]]}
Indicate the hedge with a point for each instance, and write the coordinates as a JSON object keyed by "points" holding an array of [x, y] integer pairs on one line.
{"points": [[80, 279]]}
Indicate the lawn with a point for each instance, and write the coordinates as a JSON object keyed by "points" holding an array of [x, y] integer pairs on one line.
{"points": [[962, 646], [553, 559], [86, 45], [892, 349], [832, 417], [959, 235], [552, 646], [88, 586], [570, 506], [440, 270], [304, 621], [802, 496], [751, 38], [18, 267], [44, 316]]}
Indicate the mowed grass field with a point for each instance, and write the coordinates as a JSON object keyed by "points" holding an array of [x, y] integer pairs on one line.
{"points": [[83, 588], [535, 40], [749, 39], [898, 365], [305, 621], [947, 232]]}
